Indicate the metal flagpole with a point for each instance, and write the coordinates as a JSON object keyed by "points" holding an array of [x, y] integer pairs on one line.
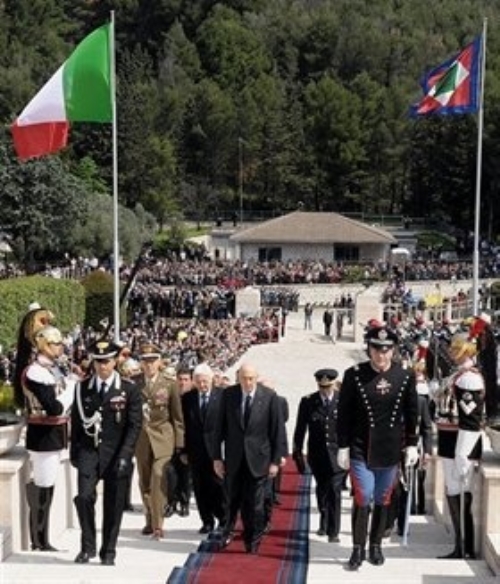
{"points": [[477, 212], [116, 247]]}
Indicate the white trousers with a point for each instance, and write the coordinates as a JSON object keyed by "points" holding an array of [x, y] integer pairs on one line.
{"points": [[45, 467], [452, 480]]}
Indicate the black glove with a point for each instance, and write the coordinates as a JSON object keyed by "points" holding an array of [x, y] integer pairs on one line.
{"points": [[122, 467], [300, 463]]}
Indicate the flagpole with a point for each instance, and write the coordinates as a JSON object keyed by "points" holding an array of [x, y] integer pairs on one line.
{"points": [[477, 212], [116, 250]]}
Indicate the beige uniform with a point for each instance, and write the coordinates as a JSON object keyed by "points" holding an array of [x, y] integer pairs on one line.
{"points": [[162, 433]]}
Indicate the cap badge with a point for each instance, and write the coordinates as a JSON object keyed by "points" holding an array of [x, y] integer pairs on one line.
{"points": [[382, 335]]}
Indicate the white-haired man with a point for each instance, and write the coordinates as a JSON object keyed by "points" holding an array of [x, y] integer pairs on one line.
{"points": [[201, 411]]}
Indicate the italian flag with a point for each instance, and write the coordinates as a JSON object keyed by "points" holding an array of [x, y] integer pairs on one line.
{"points": [[79, 91]]}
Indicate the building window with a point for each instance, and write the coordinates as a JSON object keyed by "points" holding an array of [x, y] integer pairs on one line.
{"points": [[269, 254], [346, 253]]}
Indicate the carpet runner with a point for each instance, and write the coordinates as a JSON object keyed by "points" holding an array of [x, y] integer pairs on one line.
{"points": [[283, 554]]}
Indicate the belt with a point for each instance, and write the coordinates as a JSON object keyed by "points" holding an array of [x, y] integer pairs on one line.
{"points": [[41, 420]]}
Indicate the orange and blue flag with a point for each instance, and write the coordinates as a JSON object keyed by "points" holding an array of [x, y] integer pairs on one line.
{"points": [[454, 86]]}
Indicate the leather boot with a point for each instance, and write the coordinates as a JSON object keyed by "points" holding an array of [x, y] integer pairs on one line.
{"points": [[46, 495], [359, 528], [469, 527], [454, 507], [379, 520], [32, 498]]}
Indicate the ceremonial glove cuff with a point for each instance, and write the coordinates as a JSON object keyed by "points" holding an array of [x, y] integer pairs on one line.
{"points": [[411, 456], [343, 458]]}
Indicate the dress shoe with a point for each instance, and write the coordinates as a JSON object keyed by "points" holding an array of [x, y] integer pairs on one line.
{"points": [[357, 557], [158, 534], [206, 528], [169, 510], [147, 530], [252, 548], [84, 557], [375, 555], [226, 539], [106, 561], [184, 511], [321, 531], [333, 538], [46, 548]]}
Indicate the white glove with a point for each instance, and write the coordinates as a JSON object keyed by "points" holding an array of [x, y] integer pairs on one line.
{"points": [[67, 396], [462, 464], [411, 456], [343, 458]]}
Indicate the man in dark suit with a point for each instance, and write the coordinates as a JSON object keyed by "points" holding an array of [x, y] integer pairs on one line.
{"points": [[201, 411], [106, 419], [249, 429], [317, 416]]}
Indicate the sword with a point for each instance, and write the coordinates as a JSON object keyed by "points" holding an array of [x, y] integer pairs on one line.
{"points": [[409, 482]]}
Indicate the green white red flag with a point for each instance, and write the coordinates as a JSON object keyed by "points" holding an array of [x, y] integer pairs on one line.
{"points": [[79, 91]]}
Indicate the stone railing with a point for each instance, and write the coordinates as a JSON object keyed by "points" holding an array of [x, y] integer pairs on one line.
{"points": [[14, 475]]}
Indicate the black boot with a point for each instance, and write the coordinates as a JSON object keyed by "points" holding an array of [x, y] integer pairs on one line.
{"points": [[32, 498], [379, 521], [454, 507], [39, 501], [46, 496], [359, 528], [469, 528]]}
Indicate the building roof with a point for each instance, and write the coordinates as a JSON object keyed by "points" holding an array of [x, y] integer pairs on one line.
{"points": [[305, 227]]}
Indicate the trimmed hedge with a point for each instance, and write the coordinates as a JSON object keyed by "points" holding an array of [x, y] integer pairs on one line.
{"points": [[64, 298], [99, 299]]}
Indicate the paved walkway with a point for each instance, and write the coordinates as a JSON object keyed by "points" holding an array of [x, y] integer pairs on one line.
{"points": [[290, 365]]}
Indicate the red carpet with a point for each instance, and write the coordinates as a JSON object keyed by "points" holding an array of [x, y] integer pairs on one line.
{"points": [[283, 553]]}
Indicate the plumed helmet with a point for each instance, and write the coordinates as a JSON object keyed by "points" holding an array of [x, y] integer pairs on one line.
{"points": [[462, 347], [48, 335]]}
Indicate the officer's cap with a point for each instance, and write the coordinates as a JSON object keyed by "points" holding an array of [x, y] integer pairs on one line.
{"points": [[326, 377], [103, 349], [381, 337], [149, 352]]}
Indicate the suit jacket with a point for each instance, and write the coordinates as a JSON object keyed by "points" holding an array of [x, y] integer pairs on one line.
{"points": [[321, 428], [199, 434], [163, 422], [261, 442], [116, 434]]}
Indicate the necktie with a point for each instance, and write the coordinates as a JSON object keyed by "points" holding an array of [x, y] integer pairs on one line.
{"points": [[204, 403], [246, 410], [102, 391]]}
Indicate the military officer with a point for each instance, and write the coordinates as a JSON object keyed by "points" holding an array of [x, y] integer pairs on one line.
{"points": [[460, 413], [161, 436], [105, 422], [317, 416], [48, 394], [377, 413]]}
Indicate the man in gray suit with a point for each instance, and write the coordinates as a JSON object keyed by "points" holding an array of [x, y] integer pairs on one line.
{"points": [[249, 432]]}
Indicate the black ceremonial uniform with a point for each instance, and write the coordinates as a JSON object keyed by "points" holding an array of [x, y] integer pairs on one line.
{"points": [[103, 434], [378, 414], [320, 421]]}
